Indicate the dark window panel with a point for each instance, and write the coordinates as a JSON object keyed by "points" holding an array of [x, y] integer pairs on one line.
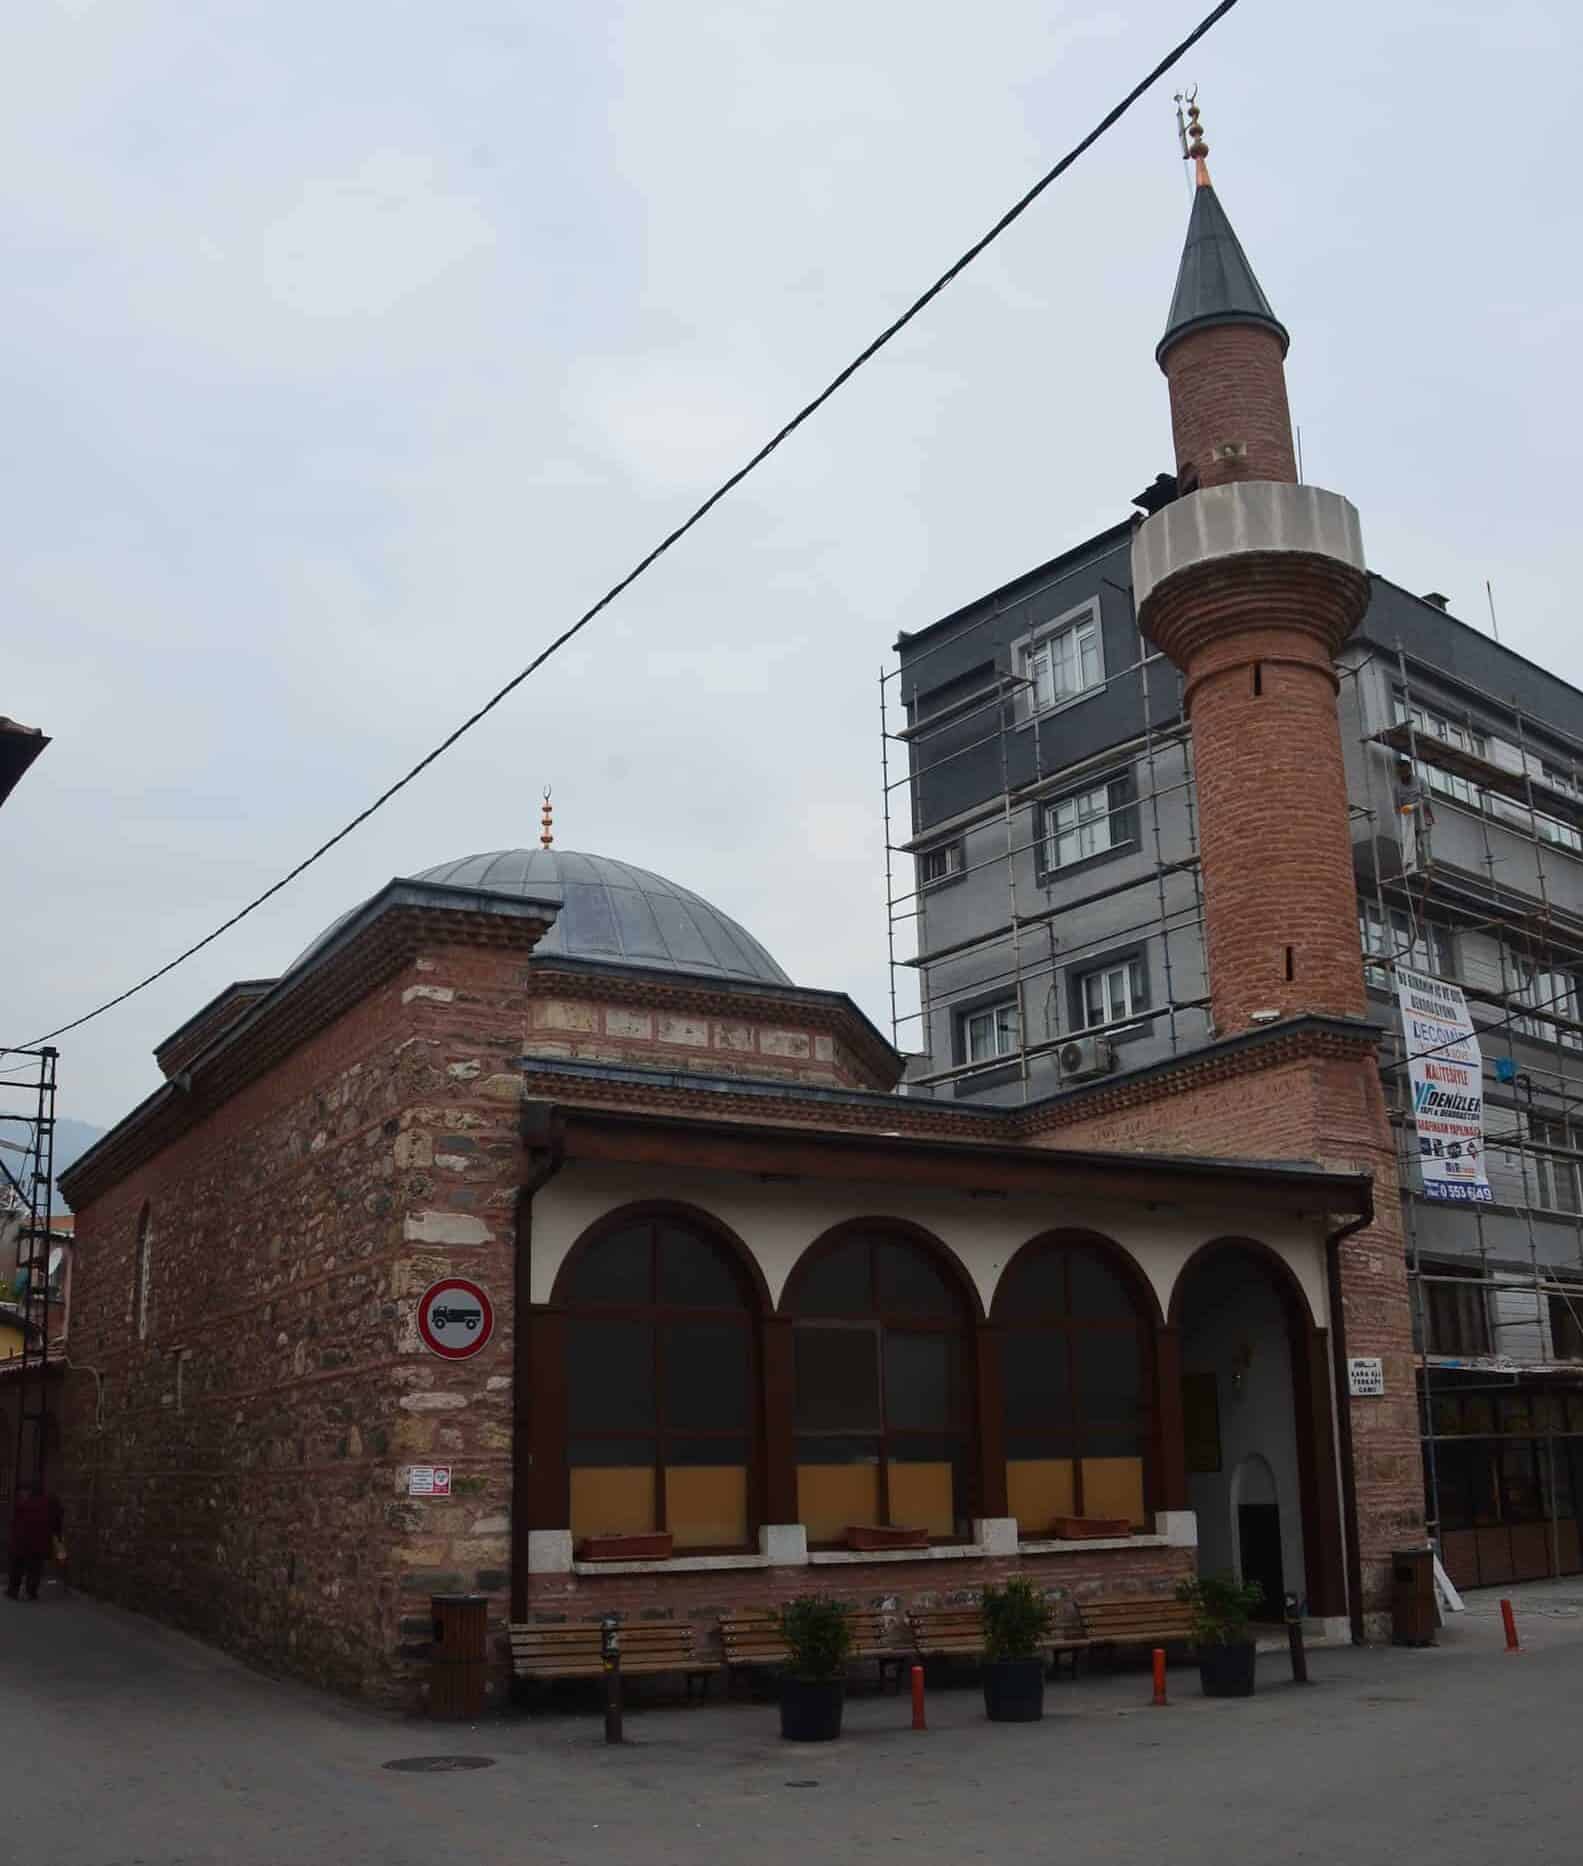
{"points": [[614, 1271], [1099, 1293], [910, 1283], [1035, 1287], [705, 1376], [833, 1450], [837, 1379], [609, 1375], [695, 1273], [922, 1381], [696, 1451], [609, 1454], [1109, 1374], [1036, 1380], [837, 1283]]}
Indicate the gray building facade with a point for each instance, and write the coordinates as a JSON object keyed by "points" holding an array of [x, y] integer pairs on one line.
{"points": [[1047, 929]]}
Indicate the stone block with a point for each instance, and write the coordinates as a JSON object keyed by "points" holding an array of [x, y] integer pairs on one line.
{"points": [[560, 1014], [624, 1023], [784, 1043], [785, 1544], [464, 1072], [455, 1228], [436, 994], [732, 1036], [1179, 1527], [996, 1535], [691, 1031], [550, 1551], [413, 1150], [503, 1088]]}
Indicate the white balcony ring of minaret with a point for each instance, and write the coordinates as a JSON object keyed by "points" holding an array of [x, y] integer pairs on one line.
{"points": [[1247, 516]]}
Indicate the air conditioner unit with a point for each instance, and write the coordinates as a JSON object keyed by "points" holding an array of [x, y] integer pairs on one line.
{"points": [[1084, 1057]]}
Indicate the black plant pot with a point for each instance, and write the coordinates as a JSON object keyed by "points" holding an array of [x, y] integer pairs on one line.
{"points": [[1227, 1671], [811, 1709], [1014, 1690]]}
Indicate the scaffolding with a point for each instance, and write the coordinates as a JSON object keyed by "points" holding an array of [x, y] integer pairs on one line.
{"points": [[1041, 935], [27, 1189], [1519, 778]]}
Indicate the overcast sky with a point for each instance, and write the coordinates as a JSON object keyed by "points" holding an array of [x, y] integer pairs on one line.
{"points": [[350, 349]]}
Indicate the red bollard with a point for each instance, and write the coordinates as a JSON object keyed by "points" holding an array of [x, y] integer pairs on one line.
{"points": [[917, 1699], [1511, 1625], [1159, 1676]]}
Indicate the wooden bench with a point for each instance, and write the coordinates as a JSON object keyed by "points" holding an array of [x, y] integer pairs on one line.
{"points": [[958, 1632], [1149, 1620], [755, 1639], [545, 1653]]}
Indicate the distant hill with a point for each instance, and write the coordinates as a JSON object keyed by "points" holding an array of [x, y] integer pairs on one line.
{"points": [[72, 1140]]}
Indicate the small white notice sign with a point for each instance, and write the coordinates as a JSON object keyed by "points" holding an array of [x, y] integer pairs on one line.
{"points": [[1365, 1377], [429, 1480]]}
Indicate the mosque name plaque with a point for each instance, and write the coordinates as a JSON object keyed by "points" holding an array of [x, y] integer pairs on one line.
{"points": [[1366, 1377], [455, 1318]]}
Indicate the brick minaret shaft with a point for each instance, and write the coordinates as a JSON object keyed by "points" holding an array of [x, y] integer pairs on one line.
{"points": [[1251, 583]]}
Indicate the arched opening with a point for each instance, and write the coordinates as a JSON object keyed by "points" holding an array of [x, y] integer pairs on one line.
{"points": [[1245, 1325], [1076, 1326], [881, 1407], [661, 1356]]}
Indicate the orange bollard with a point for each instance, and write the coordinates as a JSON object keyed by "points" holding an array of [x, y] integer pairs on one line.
{"points": [[1159, 1676], [917, 1699], [1511, 1625]]}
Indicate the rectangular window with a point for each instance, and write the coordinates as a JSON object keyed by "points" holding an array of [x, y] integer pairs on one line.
{"points": [[939, 864], [994, 1031], [1556, 992], [1555, 1170], [1110, 994], [1427, 727], [1390, 935], [1458, 1317], [1089, 823], [1065, 663], [1566, 1324]]}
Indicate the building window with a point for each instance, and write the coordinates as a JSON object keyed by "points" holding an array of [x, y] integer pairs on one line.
{"points": [[1110, 993], [1067, 662], [1428, 726], [994, 1030], [1556, 1166], [1556, 992], [1390, 935], [1089, 822], [880, 1405], [1566, 1323], [1077, 1374], [942, 863], [1456, 1315], [143, 1273], [660, 1378]]}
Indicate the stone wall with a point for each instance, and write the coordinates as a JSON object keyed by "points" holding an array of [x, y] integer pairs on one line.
{"points": [[247, 1483]]}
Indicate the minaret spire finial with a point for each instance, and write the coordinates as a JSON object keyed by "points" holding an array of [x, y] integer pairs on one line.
{"points": [[547, 818], [1197, 148]]}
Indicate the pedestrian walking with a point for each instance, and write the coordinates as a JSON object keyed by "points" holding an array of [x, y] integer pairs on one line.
{"points": [[36, 1523]]}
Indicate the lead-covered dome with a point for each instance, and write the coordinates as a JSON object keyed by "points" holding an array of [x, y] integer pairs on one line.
{"points": [[615, 913]]}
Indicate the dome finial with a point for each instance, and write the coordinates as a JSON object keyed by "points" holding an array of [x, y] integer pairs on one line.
{"points": [[547, 818]]}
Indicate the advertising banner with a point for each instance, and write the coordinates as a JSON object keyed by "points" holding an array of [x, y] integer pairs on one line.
{"points": [[1446, 1073]]}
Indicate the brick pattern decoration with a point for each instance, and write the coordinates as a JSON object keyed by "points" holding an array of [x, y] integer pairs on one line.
{"points": [[1229, 418]]}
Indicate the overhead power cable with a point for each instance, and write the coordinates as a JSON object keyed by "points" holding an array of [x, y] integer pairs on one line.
{"points": [[804, 414]]}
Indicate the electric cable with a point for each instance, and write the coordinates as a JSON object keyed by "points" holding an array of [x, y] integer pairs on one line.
{"points": [[672, 538]]}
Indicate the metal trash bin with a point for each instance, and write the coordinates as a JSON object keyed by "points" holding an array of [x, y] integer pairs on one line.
{"points": [[459, 1657], [1413, 1597]]}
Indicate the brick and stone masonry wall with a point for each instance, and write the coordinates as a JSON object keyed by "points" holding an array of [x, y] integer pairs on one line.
{"points": [[247, 1483], [1228, 385], [1332, 1109], [891, 1587]]}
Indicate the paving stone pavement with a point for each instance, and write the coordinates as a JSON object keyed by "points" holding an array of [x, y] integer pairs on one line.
{"points": [[127, 1745]]}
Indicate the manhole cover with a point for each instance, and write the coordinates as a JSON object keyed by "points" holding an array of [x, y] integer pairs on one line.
{"points": [[439, 1765]]}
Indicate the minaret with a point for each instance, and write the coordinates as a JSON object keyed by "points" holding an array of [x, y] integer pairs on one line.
{"points": [[1250, 583]]}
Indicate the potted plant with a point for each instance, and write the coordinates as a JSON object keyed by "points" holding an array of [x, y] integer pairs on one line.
{"points": [[818, 1636], [1226, 1652], [1017, 1620]]}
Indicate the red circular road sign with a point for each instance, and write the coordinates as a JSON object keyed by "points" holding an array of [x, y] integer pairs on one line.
{"points": [[455, 1318]]}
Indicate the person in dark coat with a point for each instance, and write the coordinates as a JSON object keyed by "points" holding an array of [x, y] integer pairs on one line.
{"points": [[35, 1522]]}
